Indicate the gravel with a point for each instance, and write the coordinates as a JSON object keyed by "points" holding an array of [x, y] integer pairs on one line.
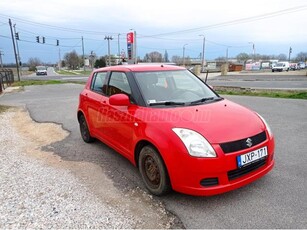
{"points": [[34, 194]]}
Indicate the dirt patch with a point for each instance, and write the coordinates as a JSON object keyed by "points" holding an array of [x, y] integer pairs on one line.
{"points": [[147, 212]]}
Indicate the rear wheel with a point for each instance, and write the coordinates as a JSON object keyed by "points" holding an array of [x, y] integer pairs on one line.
{"points": [[153, 171], [85, 133]]}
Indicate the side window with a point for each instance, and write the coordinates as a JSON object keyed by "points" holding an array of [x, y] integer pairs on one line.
{"points": [[98, 82], [118, 84]]}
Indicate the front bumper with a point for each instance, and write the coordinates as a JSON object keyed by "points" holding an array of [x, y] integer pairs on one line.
{"points": [[212, 176]]}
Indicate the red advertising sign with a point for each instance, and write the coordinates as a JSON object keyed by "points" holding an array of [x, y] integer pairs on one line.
{"points": [[130, 38]]}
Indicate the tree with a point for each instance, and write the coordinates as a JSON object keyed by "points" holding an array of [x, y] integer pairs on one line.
{"points": [[153, 57], [302, 56], [243, 57], [72, 60], [282, 57], [101, 62], [220, 59], [177, 59], [33, 62]]}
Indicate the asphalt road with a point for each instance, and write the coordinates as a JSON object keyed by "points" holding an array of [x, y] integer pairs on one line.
{"points": [[278, 200], [295, 80]]}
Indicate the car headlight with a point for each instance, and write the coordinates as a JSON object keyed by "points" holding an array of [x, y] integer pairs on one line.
{"points": [[266, 125], [195, 143]]}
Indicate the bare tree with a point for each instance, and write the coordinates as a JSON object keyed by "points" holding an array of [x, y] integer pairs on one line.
{"points": [[243, 57], [282, 57], [177, 59], [33, 62], [153, 57], [302, 56], [72, 60]]}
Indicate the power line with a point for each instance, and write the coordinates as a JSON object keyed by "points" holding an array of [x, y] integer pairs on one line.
{"points": [[56, 27], [236, 21]]}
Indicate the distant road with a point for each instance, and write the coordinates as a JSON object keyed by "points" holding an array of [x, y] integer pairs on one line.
{"points": [[52, 75], [293, 80], [285, 80]]}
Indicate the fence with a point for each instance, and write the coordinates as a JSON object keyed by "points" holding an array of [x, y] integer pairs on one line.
{"points": [[6, 78]]}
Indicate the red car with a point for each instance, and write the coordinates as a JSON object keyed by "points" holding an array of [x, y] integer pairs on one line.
{"points": [[178, 132]]}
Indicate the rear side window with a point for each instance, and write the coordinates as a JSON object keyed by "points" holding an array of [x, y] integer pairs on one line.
{"points": [[118, 84], [98, 82]]}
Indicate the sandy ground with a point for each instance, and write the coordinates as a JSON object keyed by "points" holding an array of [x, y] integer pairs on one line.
{"points": [[145, 211]]}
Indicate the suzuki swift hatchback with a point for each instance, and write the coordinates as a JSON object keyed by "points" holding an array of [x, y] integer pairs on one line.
{"points": [[178, 132]]}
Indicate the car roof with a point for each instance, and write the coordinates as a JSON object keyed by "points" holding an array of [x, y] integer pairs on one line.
{"points": [[141, 68]]}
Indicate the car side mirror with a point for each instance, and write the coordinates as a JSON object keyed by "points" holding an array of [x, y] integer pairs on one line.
{"points": [[119, 100]]}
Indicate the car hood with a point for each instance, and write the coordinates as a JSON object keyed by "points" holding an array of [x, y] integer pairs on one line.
{"points": [[218, 122]]}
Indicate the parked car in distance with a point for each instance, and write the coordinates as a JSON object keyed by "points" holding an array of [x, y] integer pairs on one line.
{"points": [[175, 129], [293, 66], [41, 70], [281, 66], [301, 65]]}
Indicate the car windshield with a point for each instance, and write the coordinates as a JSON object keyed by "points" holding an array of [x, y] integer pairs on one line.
{"points": [[40, 67], [173, 88], [280, 64]]}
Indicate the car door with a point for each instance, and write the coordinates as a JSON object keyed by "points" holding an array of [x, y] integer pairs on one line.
{"points": [[96, 97], [119, 127]]}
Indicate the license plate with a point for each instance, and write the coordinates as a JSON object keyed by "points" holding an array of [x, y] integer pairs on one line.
{"points": [[251, 157]]}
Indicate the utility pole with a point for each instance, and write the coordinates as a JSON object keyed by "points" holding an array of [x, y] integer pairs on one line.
{"points": [[254, 51], [13, 40], [1, 59], [18, 56], [118, 46], [290, 51], [203, 54], [83, 54], [59, 65], [227, 54], [109, 55], [183, 59]]}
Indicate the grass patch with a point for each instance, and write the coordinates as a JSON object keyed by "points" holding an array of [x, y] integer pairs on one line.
{"points": [[65, 72], [4, 108], [37, 82], [44, 82], [291, 94], [73, 72]]}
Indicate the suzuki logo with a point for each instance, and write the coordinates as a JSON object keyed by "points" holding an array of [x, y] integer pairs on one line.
{"points": [[249, 142]]}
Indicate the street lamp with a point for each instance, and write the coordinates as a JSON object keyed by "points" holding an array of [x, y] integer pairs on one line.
{"points": [[183, 60], [253, 50], [203, 53]]}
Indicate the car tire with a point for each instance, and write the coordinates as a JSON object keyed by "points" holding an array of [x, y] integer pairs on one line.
{"points": [[85, 133], [153, 171]]}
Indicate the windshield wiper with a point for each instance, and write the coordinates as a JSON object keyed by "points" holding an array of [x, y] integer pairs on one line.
{"points": [[205, 99], [166, 103]]}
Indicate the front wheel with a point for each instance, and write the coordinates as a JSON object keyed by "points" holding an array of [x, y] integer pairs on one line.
{"points": [[153, 171]]}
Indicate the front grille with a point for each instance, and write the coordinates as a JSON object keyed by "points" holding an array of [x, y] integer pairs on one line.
{"points": [[209, 182], [234, 146], [234, 174]]}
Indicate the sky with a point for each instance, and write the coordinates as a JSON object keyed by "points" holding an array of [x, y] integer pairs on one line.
{"points": [[272, 27]]}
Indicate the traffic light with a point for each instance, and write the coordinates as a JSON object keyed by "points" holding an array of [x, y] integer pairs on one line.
{"points": [[17, 36], [290, 50], [37, 39], [57, 42], [43, 39]]}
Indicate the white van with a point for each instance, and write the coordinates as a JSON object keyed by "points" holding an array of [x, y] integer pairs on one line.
{"points": [[281, 66]]}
